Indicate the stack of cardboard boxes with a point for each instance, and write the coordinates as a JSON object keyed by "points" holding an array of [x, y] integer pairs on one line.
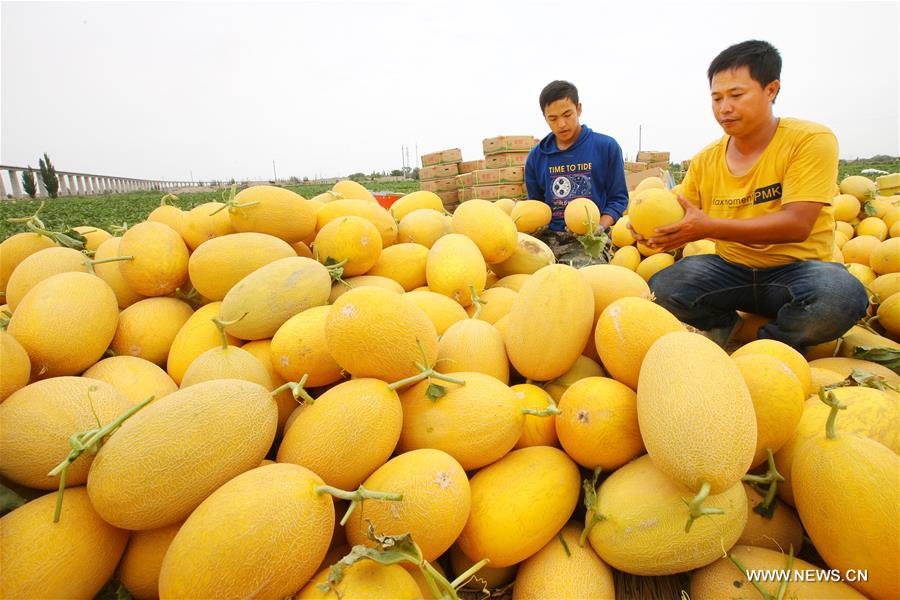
{"points": [[650, 163], [502, 172], [438, 174]]}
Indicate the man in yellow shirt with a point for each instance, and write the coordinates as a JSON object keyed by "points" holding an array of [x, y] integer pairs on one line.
{"points": [[763, 192]]}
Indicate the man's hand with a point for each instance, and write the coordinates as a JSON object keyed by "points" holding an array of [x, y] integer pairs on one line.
{"points": [[606, 221], [696, 225]]}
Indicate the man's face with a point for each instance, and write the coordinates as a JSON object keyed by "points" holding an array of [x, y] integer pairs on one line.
{"points": [[740, 104], [562, 117]]}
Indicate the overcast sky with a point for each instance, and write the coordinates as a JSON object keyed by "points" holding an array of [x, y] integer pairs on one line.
{"points": [[161, 90]]}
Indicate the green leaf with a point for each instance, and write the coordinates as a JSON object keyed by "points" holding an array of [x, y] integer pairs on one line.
{"points": [[889, 357], [868, 209], [435, 392], [766, 511], [9, 500]]}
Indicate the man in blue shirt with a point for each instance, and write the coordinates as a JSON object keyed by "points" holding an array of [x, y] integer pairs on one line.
{"points": [[574, 162]]}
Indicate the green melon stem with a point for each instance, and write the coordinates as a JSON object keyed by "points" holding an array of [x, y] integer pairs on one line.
{"points": [[831, 401], [296, 389], [90, 262], [226, 202], [61, 239], [356, 497], [697, 510], [427, 371], [462, 578], [590, 504], [5, 318], [220, 327], [546, 412], [766, 595], [31, 218], [164, 201], [84, 441], [770, 479], [782, 589], [477, 301]]}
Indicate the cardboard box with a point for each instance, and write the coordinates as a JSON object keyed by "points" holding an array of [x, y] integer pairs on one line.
{"points": [[465, 194], [512, 175], [429, 160], [659, 164], [453, 155], [449, 197], [486, 177], [512, 190], [634, 167], [507, 159], [632, 179], [438, 172], [486, 192], [888, 182], [465, 180], [471, 165], [685, 165], [428, 186], [652, 156], [507, 143], [445, 185]]}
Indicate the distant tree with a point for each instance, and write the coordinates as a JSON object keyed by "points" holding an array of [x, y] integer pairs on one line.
{"points": [[415, 174], [396, 173], [357, 176], [48, 176], [28, 183], [305, 179]]}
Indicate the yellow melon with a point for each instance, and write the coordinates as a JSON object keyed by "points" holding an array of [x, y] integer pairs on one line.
{"points": [[531, 215], [39, 267], [846, 207], [261, 534], [218, 264], [519, 504], [554, 299], [505, 204], [583, 367], [894, 230], [274, 211], [779, 532], [512, 282], [404, 263], [299, 348], [581, 213], [134, 377], [848, 508], [625, 331], [646, 250], [628, 257], [697, 421], [862, 188], [620, 234], [160, 263], [326, 435], [652, 208], [15, 366], [142, 561], [365, 579], [781, 351], [644, 515], [167, 458], [15, 249], [564, 569], [530, 255], [611, 282], [649, 183], [495, 304], [473, 345], [148, 327], [93, 236], [723, 580], [372, 332], [204, 222], [749, 329], [598, 424], [845, 228], [652, 265], [820, 377], [484, 409], [374, 213], [351, 240], [492, 230], [37, 421], [885, 285], [349, 189], [863, 273], [423, 226], [454, 266], [112, 275], [417, 200], [226, 362], [196, 336], [301, 249], [844, 366], [889, 315], [31, 549], [486, 578], [538, 430], [840, 239], [262, 351], [858, 336], [435, 505], [892, 216], [339, 288], [777, 396], [262, 301], [860, 249], [441, 310], [872, 226], [168, 215], [65, 307], [886, 257]]}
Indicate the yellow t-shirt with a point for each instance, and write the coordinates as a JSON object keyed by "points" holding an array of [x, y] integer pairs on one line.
{"points": [[800, 164]]}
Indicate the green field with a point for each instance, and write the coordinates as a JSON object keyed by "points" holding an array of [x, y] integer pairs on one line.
{"points": [[116, 210]]}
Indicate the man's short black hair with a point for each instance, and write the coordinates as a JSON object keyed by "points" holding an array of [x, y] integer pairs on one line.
{"points": [[761, 57], [558, 90]]}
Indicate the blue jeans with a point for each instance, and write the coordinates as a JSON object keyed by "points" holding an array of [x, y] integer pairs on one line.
{"points": [[809, 302]]}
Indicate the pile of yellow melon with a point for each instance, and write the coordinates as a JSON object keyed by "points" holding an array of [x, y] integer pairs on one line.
{"points": [[330, 378]]}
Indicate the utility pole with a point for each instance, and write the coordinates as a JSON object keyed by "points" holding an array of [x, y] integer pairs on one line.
{"points": [[192, 176], [273, 170], [640, 131]]}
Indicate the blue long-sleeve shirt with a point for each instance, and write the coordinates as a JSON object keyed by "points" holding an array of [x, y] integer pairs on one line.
{"points": [[591, 168]]}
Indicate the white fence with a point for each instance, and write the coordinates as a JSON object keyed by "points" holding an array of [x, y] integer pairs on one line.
{"points": [[81, 184]]}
